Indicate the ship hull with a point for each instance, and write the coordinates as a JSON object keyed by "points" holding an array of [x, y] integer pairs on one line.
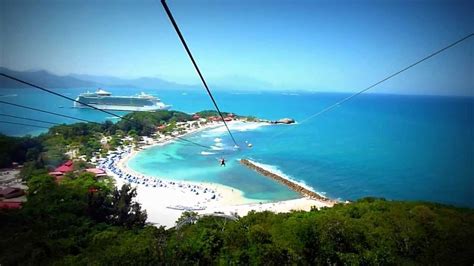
{"points": [[124, 108]]}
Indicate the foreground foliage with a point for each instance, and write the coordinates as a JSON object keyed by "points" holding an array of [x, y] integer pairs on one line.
{"points": [[370, 231], [68, 224], [60, 220]]}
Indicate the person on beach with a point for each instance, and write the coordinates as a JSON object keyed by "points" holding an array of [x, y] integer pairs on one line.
{"points": [[222, 162]]}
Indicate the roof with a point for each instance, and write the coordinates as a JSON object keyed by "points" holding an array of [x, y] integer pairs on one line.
{"points": [[8, 190], [95, 171], [55, 173], [215, 118], [66, 167], [10, 204]]}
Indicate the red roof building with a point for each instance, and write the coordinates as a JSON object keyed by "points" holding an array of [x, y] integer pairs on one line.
{"points": [[58, 176], [162, 127], [196, 116], [55, 174], [214, 118], [11, 192], [96, 171], [10, 204], [65, 167]]}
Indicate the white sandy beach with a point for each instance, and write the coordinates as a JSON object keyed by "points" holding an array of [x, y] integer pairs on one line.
{"points": [[165, 200]]}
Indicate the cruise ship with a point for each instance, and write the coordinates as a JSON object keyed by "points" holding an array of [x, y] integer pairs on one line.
{"points": [[104, 100]]}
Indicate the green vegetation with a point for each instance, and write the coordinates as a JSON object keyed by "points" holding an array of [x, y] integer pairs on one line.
{"points": [[68, 224], [209, 113], [369, 232], [48, 149], [62, 220], [145, 123], [13, 149]]}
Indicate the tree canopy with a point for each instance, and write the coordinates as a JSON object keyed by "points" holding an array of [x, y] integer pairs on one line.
{"points": [[66, 223]]}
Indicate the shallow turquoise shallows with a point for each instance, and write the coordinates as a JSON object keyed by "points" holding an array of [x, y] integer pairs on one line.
{"points": [[397, 147]]}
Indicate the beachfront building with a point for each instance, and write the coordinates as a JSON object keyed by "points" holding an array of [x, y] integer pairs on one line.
{"points": [[214, 118], [10, 204], [11, 192], [97, 172], [65, 167], [59, 172]]}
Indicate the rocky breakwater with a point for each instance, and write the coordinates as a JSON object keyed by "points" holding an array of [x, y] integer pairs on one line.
{"points": [[292, 185], [280, 121], [284, 121]]}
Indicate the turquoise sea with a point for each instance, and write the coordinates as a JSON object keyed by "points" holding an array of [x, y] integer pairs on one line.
{"points": [[397, 147]]}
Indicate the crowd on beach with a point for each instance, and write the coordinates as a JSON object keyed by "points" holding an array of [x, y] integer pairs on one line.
{"points": [[110, 164]]}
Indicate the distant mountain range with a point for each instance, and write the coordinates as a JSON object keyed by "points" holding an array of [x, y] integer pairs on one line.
{"points": [[42, 78], [144, 82], [49, 80]]}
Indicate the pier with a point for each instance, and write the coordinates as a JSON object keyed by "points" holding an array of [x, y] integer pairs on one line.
{"points": [[292, 185]]}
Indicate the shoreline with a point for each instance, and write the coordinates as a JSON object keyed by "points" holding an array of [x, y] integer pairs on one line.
{"points": [[165, 199]]}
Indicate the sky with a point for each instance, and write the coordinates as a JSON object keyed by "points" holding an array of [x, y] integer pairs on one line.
{"points": [[337, 46]]}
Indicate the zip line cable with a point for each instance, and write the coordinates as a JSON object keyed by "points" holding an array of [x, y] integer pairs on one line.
{"points": [[21, 124], [175, 25], [57, 114], [71, 99], [381, 81], [57, 94], [75, 118], [192, 142], [30, 119], [48, 112]]}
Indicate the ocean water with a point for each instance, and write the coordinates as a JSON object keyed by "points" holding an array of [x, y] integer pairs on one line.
{"points": [[397, 147]]}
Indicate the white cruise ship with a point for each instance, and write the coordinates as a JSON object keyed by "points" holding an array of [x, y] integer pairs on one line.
{"points": [[104, 100]]}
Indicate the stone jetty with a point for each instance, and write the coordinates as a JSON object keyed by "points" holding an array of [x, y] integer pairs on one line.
{"points": [[279, 121], [292, 185]]}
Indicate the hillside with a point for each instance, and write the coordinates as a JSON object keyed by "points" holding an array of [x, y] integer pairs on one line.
{"points": [[50, 80], [144, 82], [42, 78]]}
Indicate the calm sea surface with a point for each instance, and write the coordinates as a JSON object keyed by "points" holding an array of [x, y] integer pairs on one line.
{"points": [[397, 147]]}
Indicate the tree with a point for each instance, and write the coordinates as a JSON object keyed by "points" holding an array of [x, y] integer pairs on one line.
{"points": [[124, 211], [187, 217]]}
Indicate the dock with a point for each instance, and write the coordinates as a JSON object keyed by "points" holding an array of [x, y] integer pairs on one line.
{"points": [[292, 185]]}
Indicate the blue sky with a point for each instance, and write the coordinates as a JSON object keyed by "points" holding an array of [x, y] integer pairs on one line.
{"points": [[280, 45]]}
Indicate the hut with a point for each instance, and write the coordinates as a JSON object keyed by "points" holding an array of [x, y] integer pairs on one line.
{"points": [[96, 171], [65, 167], [10, 204], [11, 192]]}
